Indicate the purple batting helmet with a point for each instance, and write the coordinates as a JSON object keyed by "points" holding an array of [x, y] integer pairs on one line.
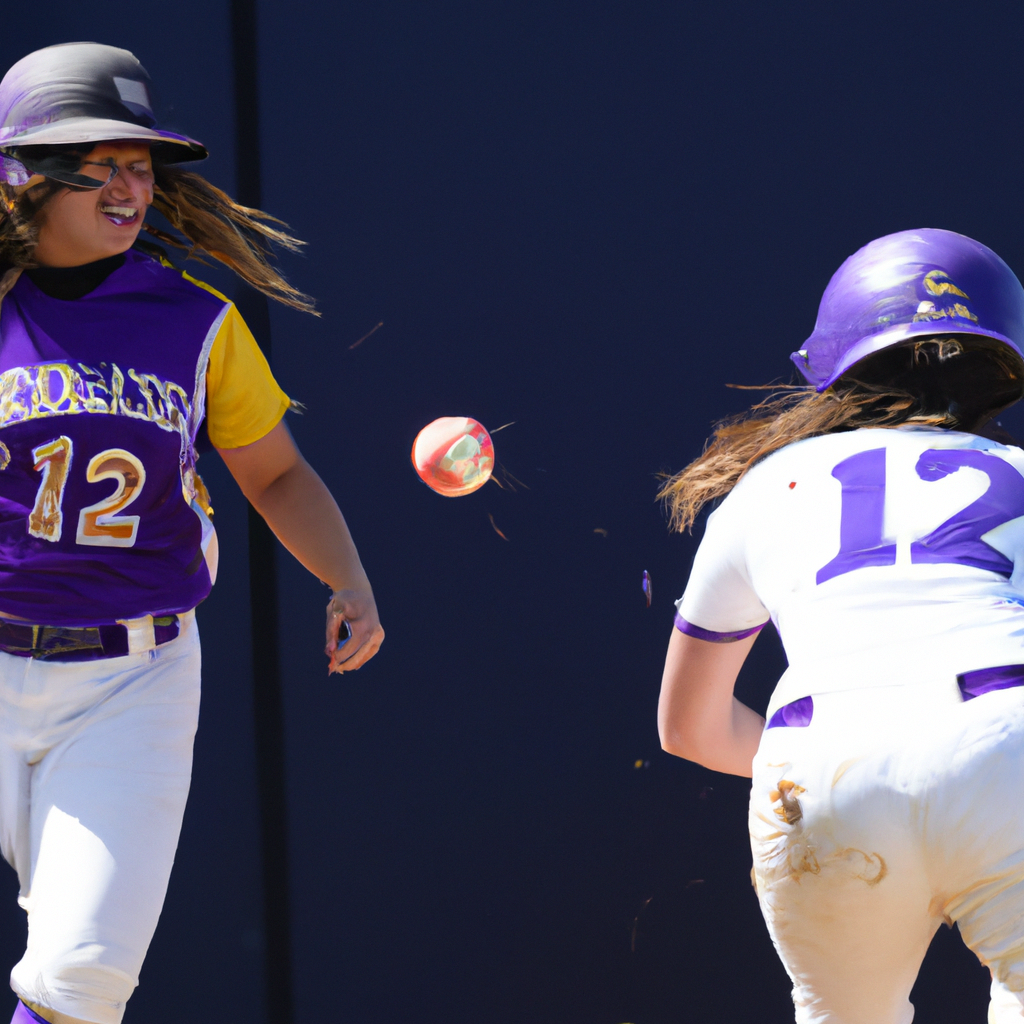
{"points": [[78, 93], [909, 285]]}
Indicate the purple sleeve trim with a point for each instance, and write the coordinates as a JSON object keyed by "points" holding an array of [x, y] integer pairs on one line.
{"points": [[711, 635]]}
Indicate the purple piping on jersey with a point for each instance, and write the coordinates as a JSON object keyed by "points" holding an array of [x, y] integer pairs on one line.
{"points": [[23, 1015], [795, 715], [711, 635], [985, 680]]}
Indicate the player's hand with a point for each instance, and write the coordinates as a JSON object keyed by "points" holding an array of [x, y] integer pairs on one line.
{"points": [[358, 609]]}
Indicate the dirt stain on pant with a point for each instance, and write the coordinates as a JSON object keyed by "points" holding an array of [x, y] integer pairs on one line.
{"points": [[788, 798], [790, 852], [784, 852]]}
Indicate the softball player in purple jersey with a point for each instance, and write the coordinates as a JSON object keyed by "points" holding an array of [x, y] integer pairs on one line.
{"points": [[877, 520], [112, 365]]}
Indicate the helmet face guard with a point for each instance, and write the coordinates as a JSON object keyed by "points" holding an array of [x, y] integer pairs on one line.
{"points": [[77, 95], [58, 163], [909, 285]]}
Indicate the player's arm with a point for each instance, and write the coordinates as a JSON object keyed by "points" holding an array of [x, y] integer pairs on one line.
{"points": [[297, 506], [698, 716]]}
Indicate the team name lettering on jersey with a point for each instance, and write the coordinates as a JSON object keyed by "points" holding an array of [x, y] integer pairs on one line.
{"points": [[62, 389]]}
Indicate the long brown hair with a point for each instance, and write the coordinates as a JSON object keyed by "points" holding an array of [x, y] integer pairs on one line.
{"points": [[211, 223], [953, 382]]}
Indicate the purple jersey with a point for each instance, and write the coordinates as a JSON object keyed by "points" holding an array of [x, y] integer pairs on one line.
{"points": [[100, 401]]}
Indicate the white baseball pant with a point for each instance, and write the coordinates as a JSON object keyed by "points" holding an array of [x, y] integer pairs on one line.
{"points": [[95, 765], [894, 810]]}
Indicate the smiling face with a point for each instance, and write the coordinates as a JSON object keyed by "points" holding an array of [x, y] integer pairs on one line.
{"points": [[79, 226]]}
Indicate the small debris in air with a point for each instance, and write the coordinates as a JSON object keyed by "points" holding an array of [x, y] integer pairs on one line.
{"points": [[356, 344]]}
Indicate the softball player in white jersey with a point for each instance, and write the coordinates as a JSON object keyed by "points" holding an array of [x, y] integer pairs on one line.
{"points": [[111, 363], [870, 521]]}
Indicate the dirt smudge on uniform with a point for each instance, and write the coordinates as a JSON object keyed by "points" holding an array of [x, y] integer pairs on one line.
{"points": [[791, 852], [874, 870], [787, 796]]}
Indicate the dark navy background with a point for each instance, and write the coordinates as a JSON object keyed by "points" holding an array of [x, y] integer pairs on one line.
{"points": [[586, 218]]}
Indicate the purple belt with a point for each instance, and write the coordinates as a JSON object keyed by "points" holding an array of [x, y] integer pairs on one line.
{"points": [[795, 715], [985, 680], [72, 643], [798, 713]]}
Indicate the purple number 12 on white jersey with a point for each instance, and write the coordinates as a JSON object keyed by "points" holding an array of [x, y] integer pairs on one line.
{"points": [[957, 540]]}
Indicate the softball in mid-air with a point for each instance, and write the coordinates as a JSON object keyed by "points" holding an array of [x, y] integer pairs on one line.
{"points": [[453, 455]]}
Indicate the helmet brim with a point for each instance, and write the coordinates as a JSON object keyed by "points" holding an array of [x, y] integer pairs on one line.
{"points": [[887, 339], [173, 148]]}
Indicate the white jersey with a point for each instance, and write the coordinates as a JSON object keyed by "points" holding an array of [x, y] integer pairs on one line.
{"points": [[883, 556]]}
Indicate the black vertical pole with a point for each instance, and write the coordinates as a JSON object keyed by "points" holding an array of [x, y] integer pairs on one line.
{"points": [[266, 666]]}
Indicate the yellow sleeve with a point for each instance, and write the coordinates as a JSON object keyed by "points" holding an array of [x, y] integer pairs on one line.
{"points": [[243, 401]]}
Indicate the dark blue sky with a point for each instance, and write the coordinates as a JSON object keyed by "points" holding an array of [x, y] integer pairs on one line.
{"points": [[586, 218]]}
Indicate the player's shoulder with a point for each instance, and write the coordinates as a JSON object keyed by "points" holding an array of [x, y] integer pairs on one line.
{"points": [[906, 441], [913, 440], [809, 453], [906, 435], [160, 275]]}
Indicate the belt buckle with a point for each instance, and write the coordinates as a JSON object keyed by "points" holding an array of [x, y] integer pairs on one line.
{"points": [[141, 636]]}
